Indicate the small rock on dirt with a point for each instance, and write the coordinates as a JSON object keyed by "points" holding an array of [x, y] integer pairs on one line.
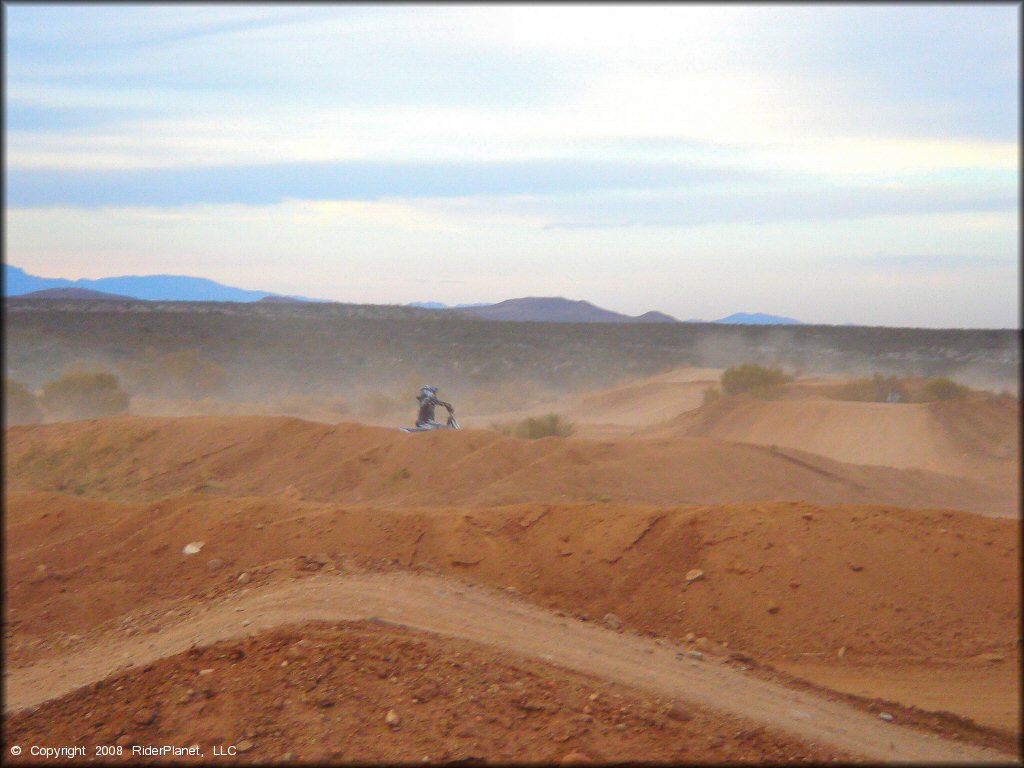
{"points": [[144, 717], [679, 713], [244, 577], [192, 548], [990, 658], [773, 608], [40, 574], [244, 746], [611, 621], [393, 719], [214, 564], [885, 716], [695, 655], [576, 758], [856, 567], [694, 575], [841, 652], [205, 672]]}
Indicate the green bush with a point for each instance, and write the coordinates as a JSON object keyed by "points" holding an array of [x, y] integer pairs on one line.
{"points": [[84, 396], [20, 405], [534, 427], [755, 379], [943, 389], [711, 394]]}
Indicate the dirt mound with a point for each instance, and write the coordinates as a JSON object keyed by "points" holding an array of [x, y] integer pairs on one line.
{"points": [[323, 692], [951, 437], [618, 411], [140, 457], [912, 585]]}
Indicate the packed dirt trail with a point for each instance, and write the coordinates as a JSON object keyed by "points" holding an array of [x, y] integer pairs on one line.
{"points": [[451, 608], [621, 410], [964, 438]]}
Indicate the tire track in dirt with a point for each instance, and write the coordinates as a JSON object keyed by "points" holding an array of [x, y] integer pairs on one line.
{"points": [[451, 608]]}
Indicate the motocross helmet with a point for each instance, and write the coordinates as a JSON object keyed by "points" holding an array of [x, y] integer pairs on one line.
{"points": [[427, 390]]}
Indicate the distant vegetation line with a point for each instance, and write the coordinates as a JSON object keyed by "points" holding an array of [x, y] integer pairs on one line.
{"points": [[272, 348]]}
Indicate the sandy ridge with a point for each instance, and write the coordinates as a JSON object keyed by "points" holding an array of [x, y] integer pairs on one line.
{"points": [[451, 608]]}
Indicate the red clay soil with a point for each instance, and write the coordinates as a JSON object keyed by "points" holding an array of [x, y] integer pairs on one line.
{"points": [[138, 458], [779, 580], [914, 592], [323, 692], [865, 579]]}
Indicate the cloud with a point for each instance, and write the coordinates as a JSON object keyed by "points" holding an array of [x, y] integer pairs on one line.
{"points": [[260, 184], [769, 199]]}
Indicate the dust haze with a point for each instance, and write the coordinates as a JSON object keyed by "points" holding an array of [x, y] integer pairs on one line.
{"points": [[228, 542]]}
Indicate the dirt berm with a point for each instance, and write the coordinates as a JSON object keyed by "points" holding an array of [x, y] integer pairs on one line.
{"points": [[975, 437], [138, 457], [778, 580]]}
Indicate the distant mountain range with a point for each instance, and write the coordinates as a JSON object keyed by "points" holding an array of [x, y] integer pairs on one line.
{"points": [[78, 294], [17, 282], [555, 309], [549, 309]]}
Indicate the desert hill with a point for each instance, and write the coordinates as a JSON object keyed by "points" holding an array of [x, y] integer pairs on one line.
{"points": [[80, 294], [619, 410], [957, 437], [135, 457], [555, 309], [273, 350]]}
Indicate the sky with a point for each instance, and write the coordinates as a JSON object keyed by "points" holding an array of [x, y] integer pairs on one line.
{"points": [[832, 163]]}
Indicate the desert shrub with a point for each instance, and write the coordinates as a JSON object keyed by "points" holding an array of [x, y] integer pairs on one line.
{"points": [[877, 389], [711, 394], [755, 379], [175, 374], [943, 389], [84, 396], [20, 404], [534, 427]]}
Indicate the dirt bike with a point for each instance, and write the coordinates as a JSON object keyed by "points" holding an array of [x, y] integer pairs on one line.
{"points": [[451, 424]]}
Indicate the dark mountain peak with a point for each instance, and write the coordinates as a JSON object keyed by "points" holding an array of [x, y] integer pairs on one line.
{"points": [[655, 317], [557, 309], [75, 294]]}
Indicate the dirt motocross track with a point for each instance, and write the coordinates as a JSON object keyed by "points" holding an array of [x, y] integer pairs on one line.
{"points": [[674, 597]]}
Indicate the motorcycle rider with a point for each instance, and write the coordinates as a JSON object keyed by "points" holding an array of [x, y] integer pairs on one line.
{"points": [[428, 402]]}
